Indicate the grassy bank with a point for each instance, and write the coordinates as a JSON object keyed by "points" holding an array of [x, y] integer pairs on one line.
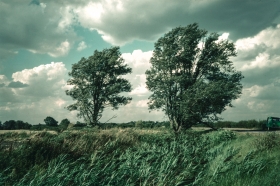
{"points": [[139, 157]]}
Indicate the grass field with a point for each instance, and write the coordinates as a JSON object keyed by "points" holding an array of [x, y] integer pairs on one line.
{"points": [[139, 157], [29, 132]]}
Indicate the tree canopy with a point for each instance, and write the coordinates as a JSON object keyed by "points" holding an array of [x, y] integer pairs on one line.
{"points": [[192, 78], [50, 121], [64, 123], [13, 125], [97, 83]]}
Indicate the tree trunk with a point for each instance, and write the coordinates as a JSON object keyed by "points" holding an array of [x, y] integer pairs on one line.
{"points": [[175, 125]]}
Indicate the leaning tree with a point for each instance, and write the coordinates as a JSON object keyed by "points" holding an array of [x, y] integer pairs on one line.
{"points": [[191, 77], [97, 83], [50, 121]]}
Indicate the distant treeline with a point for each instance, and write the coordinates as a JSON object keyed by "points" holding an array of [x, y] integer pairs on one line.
{"points": [[131, 124], [240, 124], [14, 125]]}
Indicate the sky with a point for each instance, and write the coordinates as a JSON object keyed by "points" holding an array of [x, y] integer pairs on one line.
{"points": [[41, 39]]}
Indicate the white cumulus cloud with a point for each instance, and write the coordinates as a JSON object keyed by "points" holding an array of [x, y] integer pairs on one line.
{"points": [[258, 59], [82, 45], [61, 50], [44, 96]]}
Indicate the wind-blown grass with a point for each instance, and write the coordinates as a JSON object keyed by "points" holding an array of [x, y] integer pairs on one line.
{"points": [[139, 157]]}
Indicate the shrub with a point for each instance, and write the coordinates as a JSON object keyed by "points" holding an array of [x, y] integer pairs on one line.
{"points": [[267, 142]]}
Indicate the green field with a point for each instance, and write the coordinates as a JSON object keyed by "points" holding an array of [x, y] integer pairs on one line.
{"points": [[139, 157]]}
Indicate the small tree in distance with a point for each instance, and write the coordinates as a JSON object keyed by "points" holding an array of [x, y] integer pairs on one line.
{"points": [[191, 78], [64, 123], [50, 121], [97, 84]]}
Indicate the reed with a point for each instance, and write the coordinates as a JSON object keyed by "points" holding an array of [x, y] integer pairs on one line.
{"points": [[138, 157]]}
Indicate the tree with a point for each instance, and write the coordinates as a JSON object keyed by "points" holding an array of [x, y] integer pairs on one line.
{"points": [[97, 84], [9, 125], [50, 121], [191, 78], [65, 122], [20, 124]]}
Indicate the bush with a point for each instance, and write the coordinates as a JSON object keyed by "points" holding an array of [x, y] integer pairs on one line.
{"points": [[267, 141]]}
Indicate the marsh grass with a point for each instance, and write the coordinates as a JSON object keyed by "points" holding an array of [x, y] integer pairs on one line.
{"points": [[268, 141], [139, 157]]}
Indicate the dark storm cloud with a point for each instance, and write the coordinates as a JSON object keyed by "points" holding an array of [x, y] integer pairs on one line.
{"points": [[261, 76], [147, 20], [34, 2], [7, 96], [17, 84], [258, 58], [269, 93], [240, 18], [43, 27], [35, 28]]}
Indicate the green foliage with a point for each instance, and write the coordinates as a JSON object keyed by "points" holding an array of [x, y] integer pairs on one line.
{"points": [[13, 125], [79, 126], [37, 127], [98, 83], [240, 124], [137, 157], [151, 124], [267, 141], [192, 84], [138, 124], [41, 127], [249, 124], [109, 125], [64, 122], [13, 135], [50, 121]]}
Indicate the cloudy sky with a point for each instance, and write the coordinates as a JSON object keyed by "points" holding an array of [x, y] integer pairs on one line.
{"points": [[41, 39]]}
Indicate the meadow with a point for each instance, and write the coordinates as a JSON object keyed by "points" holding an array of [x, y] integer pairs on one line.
{"points": [[135, 156]]}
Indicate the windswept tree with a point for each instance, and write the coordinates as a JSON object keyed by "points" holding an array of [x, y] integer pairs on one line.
{"points": [[97, 83], [192, 78], [64, 123], [50, 121]]}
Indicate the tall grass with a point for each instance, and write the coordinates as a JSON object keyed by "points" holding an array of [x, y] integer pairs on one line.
{"points": [[138, 157]]}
